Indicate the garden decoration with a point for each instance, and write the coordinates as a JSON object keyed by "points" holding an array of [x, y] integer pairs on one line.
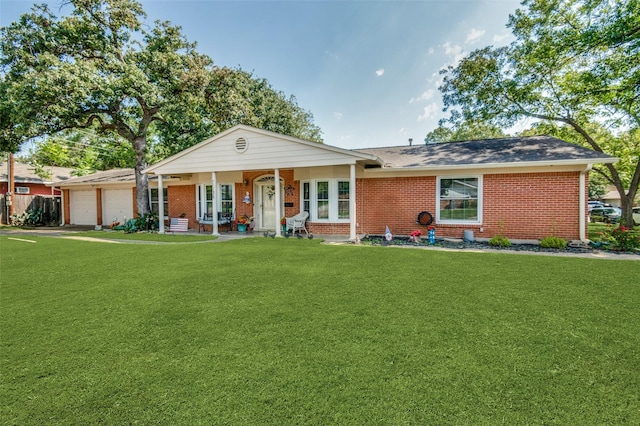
{"points": [[431, 234], [415, 236], [246, 199]]}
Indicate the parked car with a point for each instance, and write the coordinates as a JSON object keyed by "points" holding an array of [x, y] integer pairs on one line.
{"points": [[636, 215], [593, 204], [604, 214]]}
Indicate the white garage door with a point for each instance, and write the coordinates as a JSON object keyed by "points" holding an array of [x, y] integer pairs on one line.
{"points": [[82, 207], [116, 203]]}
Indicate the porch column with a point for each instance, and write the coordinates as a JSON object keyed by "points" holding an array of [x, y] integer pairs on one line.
{"points": [[214, 204], [352, 202], [276, 173], [160, 206]]}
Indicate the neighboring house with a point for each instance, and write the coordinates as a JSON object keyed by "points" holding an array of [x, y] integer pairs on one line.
{"points": [[523, 188], [28, 185]]}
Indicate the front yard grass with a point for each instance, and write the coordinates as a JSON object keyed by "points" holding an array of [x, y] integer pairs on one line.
{"points": [[144, 236], [286, 331]]}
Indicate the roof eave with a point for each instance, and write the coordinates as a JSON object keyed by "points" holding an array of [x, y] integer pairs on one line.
{"points": [[559, 163]]}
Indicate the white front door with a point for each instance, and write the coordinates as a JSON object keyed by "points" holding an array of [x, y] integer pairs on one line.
{"points": [[268, 210], [265, 207]]}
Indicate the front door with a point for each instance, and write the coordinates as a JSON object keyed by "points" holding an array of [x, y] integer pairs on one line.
{"points": [[266, 202], [268, 193]]}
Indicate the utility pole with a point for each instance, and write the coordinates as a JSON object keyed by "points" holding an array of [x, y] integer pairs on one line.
{"points": [[12, 188]]}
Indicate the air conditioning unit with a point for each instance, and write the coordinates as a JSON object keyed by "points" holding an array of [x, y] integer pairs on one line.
{"points": [[22, 189]]}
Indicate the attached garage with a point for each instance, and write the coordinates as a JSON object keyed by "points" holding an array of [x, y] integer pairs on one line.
{"points": [[116, 204], [83, 209]]}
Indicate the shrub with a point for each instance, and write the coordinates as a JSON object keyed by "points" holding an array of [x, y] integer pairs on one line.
{"points": [[500, 241], [553, 242], [625, 238]]}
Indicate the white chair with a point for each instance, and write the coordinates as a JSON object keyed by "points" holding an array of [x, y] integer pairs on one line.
{"points": [[297, 223]]}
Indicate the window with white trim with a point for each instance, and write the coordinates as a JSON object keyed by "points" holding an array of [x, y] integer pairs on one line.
{"points": [[153, 201], [205, 199], [459, 200], [326, 200]]}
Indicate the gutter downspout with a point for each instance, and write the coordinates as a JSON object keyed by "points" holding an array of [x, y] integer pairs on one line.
{"points": [[583, 203]]}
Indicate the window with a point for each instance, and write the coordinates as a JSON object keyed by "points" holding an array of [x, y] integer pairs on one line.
{"points": [[205, 199], [459, 200], [343, 200], [326, 200], [322, 200], [22, 190], [153, 201], [306, 197]]}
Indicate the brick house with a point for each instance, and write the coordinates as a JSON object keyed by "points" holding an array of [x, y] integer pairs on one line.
{"points": [[523, 188]]}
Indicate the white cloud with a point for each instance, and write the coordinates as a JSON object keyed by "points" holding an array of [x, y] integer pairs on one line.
{"points": [[425, 96], [474, 35], [380, 72], [431, 51], [455, 51], [428, 112], [337, 115], [500, 38]]}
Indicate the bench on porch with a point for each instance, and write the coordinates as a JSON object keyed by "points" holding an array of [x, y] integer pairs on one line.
{"points": [[178, 224], [223, 219]]}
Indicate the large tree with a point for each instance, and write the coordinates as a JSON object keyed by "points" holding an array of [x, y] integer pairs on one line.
{"points": [[99, 67], [573, 63]]}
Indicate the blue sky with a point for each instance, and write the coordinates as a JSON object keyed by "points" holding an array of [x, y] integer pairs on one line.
{"points": [[367, 70]]}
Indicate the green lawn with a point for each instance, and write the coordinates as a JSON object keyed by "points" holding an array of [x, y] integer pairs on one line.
{"points": [[285, 331]]}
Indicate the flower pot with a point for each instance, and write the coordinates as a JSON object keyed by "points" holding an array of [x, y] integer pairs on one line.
{"points": [[242, 227]]}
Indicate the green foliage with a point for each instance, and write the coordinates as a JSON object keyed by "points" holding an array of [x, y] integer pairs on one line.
{"points": [[500, 241], [553, 242], [625, 238], [464, 131], [28, 218], [572, 64]]}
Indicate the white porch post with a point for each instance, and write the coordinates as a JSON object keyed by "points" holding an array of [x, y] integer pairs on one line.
{"points": [[214, 211], [160, 206], [352, 202], [276, 172]]}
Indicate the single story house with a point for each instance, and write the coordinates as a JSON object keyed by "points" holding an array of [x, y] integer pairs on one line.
{"points": [[523, 188], [28, 185]]}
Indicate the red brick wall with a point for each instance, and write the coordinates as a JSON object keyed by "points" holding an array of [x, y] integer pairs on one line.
{"points": [[182, 200], [519, 206]]}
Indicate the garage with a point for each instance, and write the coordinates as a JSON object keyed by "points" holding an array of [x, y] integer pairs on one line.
{"points": [[82, 207], [118, 204]]}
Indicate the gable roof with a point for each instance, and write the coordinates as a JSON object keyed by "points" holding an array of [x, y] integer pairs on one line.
{"points": [[518, 151], [25, 173], [264, 150]]}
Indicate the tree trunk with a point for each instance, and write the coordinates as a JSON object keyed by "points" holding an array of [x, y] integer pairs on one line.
{"points": [[142, 180]]}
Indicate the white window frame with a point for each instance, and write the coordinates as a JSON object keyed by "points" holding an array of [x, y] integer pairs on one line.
{"points": [[165, 200], [480, 197], [333, 199], [23, 190], [201, 198]]}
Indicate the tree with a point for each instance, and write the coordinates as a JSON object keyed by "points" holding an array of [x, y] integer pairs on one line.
{"points": [[235, 96], [97, 68], [464, 131], [573, 63]]}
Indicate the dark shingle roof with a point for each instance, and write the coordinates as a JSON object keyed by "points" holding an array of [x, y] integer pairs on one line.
{"points": [[531, 149]]}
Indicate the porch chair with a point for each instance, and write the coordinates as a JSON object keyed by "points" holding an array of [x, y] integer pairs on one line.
{"points": [[297, 223], [223, 219], [178, 224]]}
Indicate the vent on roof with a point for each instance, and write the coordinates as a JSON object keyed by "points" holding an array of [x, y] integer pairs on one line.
{"points": [[241, 145]]}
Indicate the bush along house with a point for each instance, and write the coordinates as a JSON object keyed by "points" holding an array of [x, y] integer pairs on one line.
{"points": [[522, 188]]}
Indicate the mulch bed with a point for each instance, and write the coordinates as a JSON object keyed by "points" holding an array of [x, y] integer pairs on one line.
{"points": [[453, 243]]}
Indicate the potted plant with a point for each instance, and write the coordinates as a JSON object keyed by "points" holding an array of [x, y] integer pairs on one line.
{"points": [[283, 222], [243, 221]]}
